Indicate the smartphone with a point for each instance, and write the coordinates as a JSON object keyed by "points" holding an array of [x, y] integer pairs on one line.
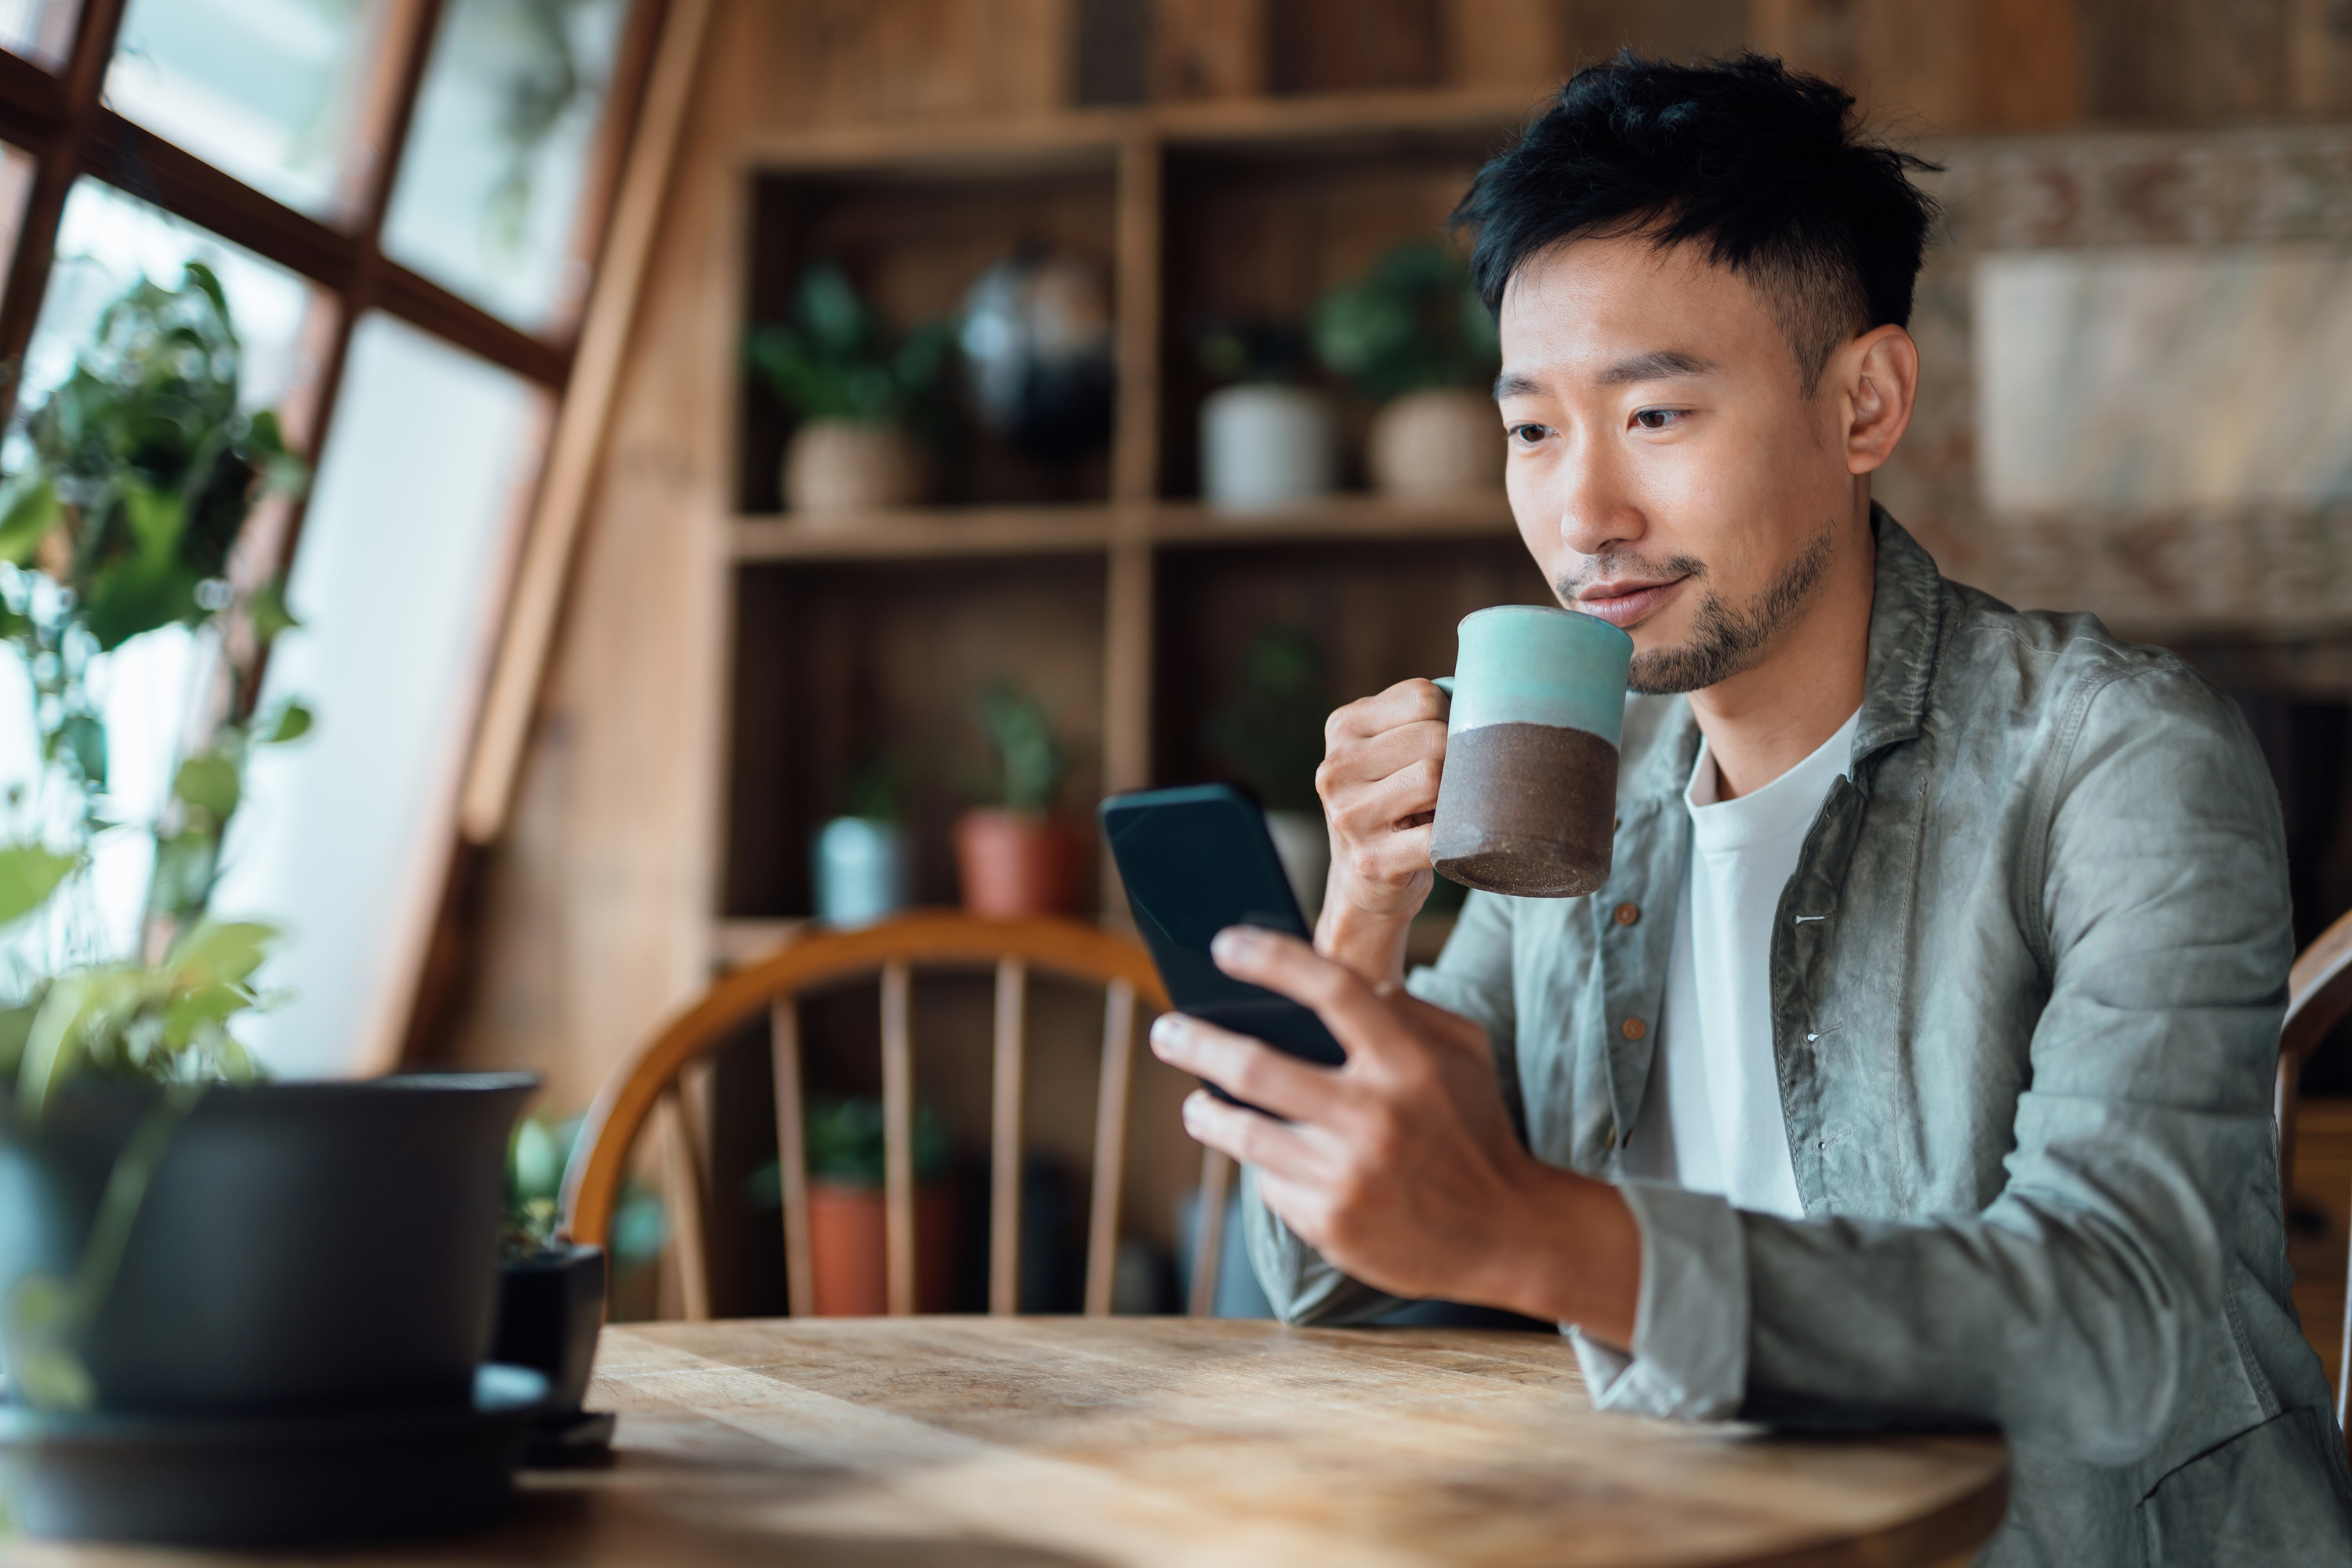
{"points": [[1196, 860]]}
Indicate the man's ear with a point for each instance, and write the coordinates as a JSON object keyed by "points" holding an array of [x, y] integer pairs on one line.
{"points": [[1877, 379]]}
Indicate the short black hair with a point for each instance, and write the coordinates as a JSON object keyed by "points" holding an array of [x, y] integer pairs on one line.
{"points": [[1766, 167]]}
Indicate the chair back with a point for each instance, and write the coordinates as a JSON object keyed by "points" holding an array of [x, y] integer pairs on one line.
{"points": [[891, 950], [2319, 996]]}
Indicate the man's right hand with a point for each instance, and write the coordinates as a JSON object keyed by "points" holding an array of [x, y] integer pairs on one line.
{"points": [[1382, 759]]}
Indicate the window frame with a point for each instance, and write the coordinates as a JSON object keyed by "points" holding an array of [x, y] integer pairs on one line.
{"points": [[60, 121]]}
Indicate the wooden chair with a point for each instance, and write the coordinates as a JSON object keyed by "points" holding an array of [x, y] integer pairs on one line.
{"points": [[2319, 996], [893, 950]]}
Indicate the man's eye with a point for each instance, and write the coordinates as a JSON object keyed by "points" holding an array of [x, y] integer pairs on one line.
{"points": [[1657, 418], [1529, 434]]}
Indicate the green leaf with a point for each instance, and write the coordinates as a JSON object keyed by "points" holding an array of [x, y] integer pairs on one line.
{"points": [[220, 951], [209, 782], [271, 615], [29, 873], [292, 722], [27, 511], [214, 1003], [38, 1323], [15, 1025], [83, 737]]}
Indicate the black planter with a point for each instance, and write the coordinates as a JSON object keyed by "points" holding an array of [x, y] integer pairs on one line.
{"points": [[302, 1246], [550, 1307]]}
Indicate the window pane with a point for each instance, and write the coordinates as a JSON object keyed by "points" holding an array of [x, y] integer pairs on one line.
{"points": [[106, 242], [345, 834], [488, 196], [263, 89], [39, 30]]}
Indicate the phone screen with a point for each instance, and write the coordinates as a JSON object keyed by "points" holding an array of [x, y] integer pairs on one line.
{"points": [[1196, 860]]}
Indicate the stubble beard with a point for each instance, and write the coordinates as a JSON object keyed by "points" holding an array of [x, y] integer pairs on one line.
{"points": [[1726, 638]]}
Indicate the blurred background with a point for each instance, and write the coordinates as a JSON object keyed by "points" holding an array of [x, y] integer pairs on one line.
{"points": [[750, 461]]}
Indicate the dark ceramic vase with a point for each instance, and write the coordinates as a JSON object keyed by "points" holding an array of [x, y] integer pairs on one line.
{"points": [[550, 1306], [301, 1247]]}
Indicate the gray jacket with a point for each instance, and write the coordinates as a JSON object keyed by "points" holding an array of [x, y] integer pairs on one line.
{"points": [[2026, 985]]}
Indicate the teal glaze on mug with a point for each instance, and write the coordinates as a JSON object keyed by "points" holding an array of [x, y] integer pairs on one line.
{"points": [[1531, 664]]}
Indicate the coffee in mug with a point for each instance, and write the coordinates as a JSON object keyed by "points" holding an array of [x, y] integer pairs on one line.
{"points": [[1528, 802]]}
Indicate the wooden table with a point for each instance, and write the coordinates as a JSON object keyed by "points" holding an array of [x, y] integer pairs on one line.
{"points": [[1004, 1441]]}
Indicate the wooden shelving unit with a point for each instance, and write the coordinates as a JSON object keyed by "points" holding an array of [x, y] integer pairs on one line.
{"points": [[1106, 584], [1106, 588]]}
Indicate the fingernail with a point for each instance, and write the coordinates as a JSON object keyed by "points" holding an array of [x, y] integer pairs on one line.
{"points": [[1234, 941], [1166, 1032]]}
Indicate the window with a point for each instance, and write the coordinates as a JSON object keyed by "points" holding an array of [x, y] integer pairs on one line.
{"points": [[403, 226]]}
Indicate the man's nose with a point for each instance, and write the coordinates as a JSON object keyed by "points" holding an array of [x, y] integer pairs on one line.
{"points": [[1597, 510]]}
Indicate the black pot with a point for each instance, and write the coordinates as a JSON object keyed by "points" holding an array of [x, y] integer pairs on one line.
{"points": [[550, 1306], [301, 1246]]}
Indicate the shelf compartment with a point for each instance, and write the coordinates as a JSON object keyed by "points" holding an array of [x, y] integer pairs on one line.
{"points": [[912, 242], [1376, 614], [837, 662]]}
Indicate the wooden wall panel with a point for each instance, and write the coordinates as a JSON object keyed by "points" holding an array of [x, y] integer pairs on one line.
{"points": [[1208, 49], [1513, 44]]}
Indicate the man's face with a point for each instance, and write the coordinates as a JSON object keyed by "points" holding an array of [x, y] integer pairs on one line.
{"points": [[1667, 468]]}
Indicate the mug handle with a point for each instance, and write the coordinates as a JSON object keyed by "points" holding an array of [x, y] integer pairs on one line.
{"points": [[1444, 683]]}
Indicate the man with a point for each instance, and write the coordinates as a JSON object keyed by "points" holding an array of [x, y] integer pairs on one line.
{"points": [[1914, 1066]]}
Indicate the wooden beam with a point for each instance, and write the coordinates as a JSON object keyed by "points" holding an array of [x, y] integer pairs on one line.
{"points": [[74, 96], [531, 613]]}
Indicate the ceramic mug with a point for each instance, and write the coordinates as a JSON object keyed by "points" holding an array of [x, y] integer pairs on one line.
{"points": [[1527, 804]]}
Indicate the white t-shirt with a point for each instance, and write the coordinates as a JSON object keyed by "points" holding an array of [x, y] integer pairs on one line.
{"points": [[1711, 1119]]}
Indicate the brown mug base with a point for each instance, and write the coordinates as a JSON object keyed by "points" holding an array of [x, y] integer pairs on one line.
{"points": [[1528, 810]]}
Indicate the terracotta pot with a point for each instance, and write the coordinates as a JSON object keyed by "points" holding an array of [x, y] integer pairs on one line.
{"points": [[837, 468], [1016, 862], [1427, 445], [848, 1255]]}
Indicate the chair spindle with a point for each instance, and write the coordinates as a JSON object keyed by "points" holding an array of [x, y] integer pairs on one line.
{"points": [[792, 1155], [1209, 1251], [683, 1176], [1110, 1146], [1005, 1140], [897, 1139]]}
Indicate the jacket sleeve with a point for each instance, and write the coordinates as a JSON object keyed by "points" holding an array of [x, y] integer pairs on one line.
{"points": [[1472, 977], [2067, 1311]]}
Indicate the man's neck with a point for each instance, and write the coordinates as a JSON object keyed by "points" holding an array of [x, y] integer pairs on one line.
{"points": [[1777, 712]]}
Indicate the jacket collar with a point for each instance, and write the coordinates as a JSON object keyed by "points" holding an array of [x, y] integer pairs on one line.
{"points": [[1906, 614], [1906, 610]]}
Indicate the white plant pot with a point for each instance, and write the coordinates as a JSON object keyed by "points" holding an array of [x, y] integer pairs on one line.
{"points": [[1266, 445], [860, 870], [1302, 841], [1427, 445], [836, 468]]}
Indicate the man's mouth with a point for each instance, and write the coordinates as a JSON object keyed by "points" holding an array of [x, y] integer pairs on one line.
{"points": [[1625, 603]]}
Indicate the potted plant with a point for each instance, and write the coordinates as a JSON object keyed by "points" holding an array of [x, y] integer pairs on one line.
{"points": [[1412, 336], [1269, 735], [848, 1257], [859, 392], [195, 1263], [859, 859], [550, 1294], [1267, 442], [1017, 857]]}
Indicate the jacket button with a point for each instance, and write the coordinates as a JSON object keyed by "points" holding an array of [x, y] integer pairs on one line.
{"points": [[1626, 914], [1635, 1028]]}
